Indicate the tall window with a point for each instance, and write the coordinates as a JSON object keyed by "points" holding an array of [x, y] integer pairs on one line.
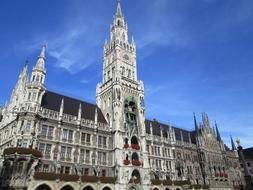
{"points": [[103, 172], [70, 136], [42, 147], [47, 131], [50, 132], [63, 152], [82, 155], [48, 151], [67, 135], [99, 158], [45, 168], [34, 96], [64, 134], [102, 141], [69, 150], [87, 156], [85, 138], [104, 158], [28, 126], [86, 171], [43, 132], [88, 138], [45, 149], [25, 143]]}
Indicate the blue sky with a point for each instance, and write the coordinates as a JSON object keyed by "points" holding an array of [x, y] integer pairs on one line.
{"points": [[193, 55]]}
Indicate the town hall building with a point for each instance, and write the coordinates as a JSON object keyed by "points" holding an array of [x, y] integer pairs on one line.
{"points": [[49, 141]]}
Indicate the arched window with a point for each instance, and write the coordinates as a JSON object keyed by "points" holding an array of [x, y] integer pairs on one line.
{"points": [[156, 189], [108, 118], [126, 140], [135, 156], [43, 187], [118, 22], [136, 174], [134, 140]]}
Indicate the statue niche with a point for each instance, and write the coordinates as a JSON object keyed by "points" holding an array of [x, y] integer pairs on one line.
{"points": [[130, 111]]}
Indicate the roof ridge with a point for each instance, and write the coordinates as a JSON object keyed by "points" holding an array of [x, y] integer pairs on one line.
{"points": [[73, 98]]}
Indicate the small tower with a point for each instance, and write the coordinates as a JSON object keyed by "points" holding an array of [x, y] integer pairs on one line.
{"points": [[35, 87]]}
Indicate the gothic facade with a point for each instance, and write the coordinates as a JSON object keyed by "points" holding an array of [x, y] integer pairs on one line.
{"points": [[51, 141]]}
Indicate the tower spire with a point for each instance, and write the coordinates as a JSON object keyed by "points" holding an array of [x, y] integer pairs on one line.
{"points": [[196, 123], [232, 143], [119, 12], [217, 132], [40, 65]]}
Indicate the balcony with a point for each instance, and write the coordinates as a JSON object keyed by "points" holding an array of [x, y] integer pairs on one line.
{"points": [[126, 162], [20, 150], [136, 163], [135, 146], [54, 176]]}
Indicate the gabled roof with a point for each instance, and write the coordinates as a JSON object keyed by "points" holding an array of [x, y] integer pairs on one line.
{"points": [[52, 101], [156, 126]]}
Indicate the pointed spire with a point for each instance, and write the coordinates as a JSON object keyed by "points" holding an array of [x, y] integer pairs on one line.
{"points": [[232, 143], [119, 12], [151, 128], [62, 107], [196, 124], [190, 140], [96, 117], [42, 53], [181, 136], [214, 131], [41, 59], [217, 132], [204, 119], [79, 112]]}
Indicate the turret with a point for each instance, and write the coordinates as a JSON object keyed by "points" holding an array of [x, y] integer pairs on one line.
{"points": [[35, 87], [39, 71]]}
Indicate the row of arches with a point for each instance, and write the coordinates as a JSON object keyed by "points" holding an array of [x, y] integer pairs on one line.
{"points": [[68, 187], [166, 188]]}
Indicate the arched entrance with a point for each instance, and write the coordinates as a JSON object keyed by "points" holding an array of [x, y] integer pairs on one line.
{"points": [[167, 189], [88, 188], [67, 187], [155, 189], [43, 187], [106, 188]]}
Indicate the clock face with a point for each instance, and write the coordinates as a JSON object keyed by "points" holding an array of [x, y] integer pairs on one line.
{"points": [[126, 57]]}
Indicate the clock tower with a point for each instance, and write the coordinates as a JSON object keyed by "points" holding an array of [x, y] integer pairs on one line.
{"points": [[120, 96]]}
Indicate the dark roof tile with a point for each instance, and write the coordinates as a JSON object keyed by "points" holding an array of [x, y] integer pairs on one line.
{"points": [[52, 101]]}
